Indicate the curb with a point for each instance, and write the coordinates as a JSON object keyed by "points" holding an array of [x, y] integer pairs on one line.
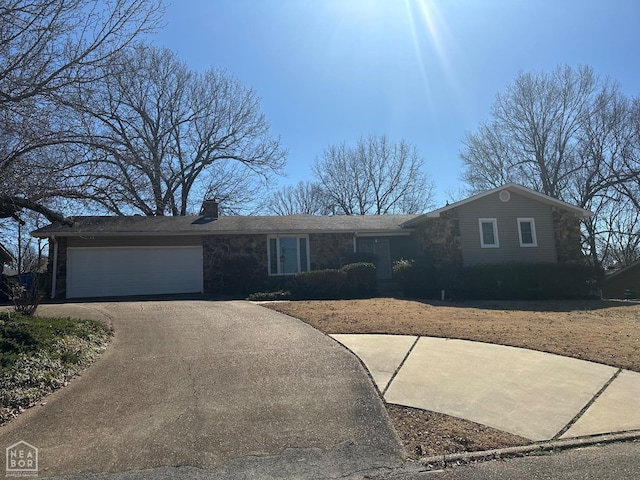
{"points": [[441, 461]]}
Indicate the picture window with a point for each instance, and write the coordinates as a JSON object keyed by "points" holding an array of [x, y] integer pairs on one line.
{"points": [[288, 255]]}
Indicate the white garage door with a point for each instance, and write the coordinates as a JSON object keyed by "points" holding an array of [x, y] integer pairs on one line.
{"points": [[121, 271]]}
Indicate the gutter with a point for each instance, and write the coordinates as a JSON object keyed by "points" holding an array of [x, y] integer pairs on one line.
{"points": [[538, 448], [55, 266], [400, 231]]}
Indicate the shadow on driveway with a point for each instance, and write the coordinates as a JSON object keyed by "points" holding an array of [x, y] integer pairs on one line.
{"points": [[197, 383]]}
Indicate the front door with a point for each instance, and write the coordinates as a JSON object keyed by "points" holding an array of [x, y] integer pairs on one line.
{"points": [[380, 247]]}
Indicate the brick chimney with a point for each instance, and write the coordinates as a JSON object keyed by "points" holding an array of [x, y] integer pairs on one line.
{"points": [[209, 209]]}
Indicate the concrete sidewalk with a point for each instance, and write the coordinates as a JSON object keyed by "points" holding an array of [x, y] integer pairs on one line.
{"points": [[204, 384], [539, 396]]}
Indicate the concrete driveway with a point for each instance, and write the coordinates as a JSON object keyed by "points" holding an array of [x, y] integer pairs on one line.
{"points": [[537, 395], [198, 383]]}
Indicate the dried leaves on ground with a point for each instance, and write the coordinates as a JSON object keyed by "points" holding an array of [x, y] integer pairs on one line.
{"points": [[429, 434], [40, 355]]}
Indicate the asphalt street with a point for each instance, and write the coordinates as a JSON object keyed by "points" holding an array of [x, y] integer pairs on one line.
{"points": [[616, 461]]}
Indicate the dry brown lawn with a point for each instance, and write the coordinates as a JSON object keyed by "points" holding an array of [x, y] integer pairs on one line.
{"points": [[599, 331]]}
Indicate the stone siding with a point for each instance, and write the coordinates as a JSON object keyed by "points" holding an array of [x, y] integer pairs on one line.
{"points": [[568, 239], [218, 251], [441, 238], [329, 250]]}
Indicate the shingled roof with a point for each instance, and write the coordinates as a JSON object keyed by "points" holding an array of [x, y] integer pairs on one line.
{"points": [[5, 256], [225, 225], [511, 187]]}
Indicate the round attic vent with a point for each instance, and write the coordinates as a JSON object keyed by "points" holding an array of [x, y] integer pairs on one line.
{"points": [[504, 195]]}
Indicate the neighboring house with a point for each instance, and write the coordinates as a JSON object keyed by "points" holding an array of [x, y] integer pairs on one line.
{"points": [[115, 256], [622, 283]]}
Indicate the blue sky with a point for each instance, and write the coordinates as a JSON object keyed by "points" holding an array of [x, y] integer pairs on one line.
{"points": [[426, 71]]}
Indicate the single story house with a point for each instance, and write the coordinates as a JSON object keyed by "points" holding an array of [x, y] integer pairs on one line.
{"points": [[118, 256], [623, 283]]}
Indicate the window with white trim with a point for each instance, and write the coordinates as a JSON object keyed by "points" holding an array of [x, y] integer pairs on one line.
{"points": [[488, 233], [288, 255], [527, 232]]}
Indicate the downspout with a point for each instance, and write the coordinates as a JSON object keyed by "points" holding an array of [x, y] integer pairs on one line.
{"points": [[355, 236], [55, 266]]}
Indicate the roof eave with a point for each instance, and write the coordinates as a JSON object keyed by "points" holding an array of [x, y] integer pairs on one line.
{"points": [[5, 255], [631, 266], [541, 197], [390, 232]]}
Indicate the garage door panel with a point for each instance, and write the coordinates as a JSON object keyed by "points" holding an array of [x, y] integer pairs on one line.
{"points": [[100, 272]]}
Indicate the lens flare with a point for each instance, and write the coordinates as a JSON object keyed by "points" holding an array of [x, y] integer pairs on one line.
{"points": [[432, 44]]}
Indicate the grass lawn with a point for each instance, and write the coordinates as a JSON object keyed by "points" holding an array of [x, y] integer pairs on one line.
{"points": [[39, 355], [599, 331]]}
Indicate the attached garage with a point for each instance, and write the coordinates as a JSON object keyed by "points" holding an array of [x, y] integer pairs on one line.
{"points": [[124, 271]]}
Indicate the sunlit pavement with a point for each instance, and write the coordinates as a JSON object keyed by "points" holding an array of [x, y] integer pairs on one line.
{"points": [[539, 396], [204, 384]]}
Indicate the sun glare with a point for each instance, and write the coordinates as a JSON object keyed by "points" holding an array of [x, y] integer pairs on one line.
{"points": [[430, 38], [410, 38], [429, 15]]}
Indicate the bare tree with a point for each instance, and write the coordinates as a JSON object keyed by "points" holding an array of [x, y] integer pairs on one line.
{"points": [[532, 137], [47, 49], [629, 173], [234, 186], [567, 134], [377, 176], [304, 197], [619, 237], [608, 167], [162, 135]]}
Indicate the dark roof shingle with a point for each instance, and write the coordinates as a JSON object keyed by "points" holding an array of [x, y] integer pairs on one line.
{"points": [[5, 256], [191, 225]]}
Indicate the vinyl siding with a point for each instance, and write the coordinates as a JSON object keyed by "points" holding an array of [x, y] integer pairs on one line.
{"points": [[506, 214], [139, 241]]}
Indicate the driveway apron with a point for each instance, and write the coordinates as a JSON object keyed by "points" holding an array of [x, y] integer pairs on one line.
{"points": [[536, 395], [200, 383]]}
